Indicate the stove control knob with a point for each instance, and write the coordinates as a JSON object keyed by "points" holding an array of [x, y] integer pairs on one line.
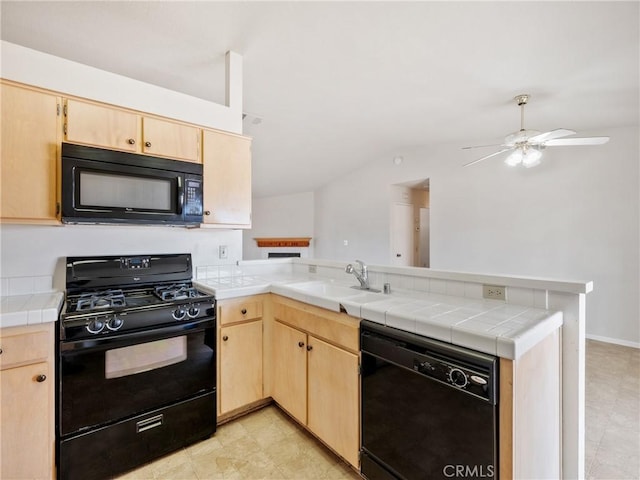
{"points": [[179, 313], [458, 378], [96, 325], [115, 323], [193, 311]]}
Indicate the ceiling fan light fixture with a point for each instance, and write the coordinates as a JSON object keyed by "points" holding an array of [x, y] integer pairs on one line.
{"points": [[531, 158], [527, 156], [526, 145], [515, 158]]}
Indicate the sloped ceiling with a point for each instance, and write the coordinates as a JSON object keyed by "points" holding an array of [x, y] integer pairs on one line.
{"points": [[340, 84]]}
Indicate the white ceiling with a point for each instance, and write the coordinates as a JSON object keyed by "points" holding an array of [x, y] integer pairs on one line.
{"points": [[340, 84]]}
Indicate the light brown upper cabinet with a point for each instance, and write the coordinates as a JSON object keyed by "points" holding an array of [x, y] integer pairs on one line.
{"points": [[31, 132], [227, 179], [114, 128], [169, 139], [101, 126]]}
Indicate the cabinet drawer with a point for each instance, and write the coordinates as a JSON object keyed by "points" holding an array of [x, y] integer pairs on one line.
{"points": [[24, 349], [238, 311]]}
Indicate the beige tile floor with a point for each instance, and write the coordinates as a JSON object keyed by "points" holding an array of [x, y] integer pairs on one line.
{"points": [[612, 440], [265, 444], [269, 445]]}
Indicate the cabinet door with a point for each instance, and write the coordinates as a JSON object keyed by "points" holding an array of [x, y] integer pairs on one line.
{"points": [[168, 139], [290, 370], [29, 154], [25, 419], [101, 126], [333, 402], [240, 365], [227, 179]]}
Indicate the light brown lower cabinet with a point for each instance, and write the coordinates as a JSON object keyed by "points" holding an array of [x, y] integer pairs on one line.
{"points": [[27, 402], [333, 406], [240, 365], [240, 353], [315, 377], [529, 435]]}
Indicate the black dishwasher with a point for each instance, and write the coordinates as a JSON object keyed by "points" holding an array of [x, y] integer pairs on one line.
{"points": [[429, 408]]}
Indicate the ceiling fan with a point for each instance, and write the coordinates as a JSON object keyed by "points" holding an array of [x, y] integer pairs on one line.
{"points": [[526, 145]]}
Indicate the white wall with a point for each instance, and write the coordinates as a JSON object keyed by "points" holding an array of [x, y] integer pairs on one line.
{"points": [[38, 250], [32, 67], [576, 216], [279, 216], [32, 250]]}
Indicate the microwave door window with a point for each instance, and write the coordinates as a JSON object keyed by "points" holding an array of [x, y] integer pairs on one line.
{"points": [[126, 192]]}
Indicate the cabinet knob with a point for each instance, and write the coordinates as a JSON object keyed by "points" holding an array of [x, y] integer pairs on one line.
{"points": [[41, 378], [309, 348], [225, 338], [131, 141], [147, 144], [207, 212], [243, 311], [301, 344]]}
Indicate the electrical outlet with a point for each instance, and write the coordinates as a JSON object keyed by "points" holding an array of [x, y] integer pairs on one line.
{"points": [[493, 292], [313, 268], [223, 252]]}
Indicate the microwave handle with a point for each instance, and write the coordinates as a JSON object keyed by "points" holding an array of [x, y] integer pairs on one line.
{"points": [[180, 196]]}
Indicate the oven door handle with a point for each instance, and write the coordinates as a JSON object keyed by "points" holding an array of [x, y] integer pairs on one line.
{"points": [[100, 343]]}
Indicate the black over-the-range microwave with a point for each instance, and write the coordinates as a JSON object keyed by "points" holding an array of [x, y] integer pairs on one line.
{"points": [[105, 186]]}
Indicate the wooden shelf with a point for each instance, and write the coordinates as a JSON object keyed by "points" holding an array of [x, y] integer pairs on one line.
{"points": [[283, 241]]}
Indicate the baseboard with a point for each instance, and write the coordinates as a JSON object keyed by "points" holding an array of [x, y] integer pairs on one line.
{"points": [[617, 341]]}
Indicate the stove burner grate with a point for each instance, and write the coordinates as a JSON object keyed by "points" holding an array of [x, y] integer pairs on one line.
{"points": [[175, 292], [97, 300]]}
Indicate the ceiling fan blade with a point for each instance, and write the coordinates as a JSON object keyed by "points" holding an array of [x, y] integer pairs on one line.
{"points": [[557, 133], [487, 156], [577, 141], [483, 146]]}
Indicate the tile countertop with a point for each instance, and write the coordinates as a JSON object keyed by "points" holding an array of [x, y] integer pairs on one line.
{"points": [[490, 326], [30, 309]]}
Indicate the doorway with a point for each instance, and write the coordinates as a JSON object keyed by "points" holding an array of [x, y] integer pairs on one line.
{"points": [[410, 224]]}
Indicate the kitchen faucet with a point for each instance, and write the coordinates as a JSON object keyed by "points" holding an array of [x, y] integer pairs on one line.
{"points": [[362, 275]]}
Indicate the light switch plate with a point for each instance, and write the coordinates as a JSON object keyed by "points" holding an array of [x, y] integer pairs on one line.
{"points": [[223, 251]]}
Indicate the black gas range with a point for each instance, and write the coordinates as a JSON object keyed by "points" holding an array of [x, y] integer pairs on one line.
{"points": [[136, 363], [111, 296]]}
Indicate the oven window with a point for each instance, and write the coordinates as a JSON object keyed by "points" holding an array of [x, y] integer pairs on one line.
{"points": [[124, 191], [144, 357]]}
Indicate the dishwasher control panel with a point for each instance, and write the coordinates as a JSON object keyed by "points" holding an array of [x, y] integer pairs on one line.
{"points": [[469, 371], [462, 377]]}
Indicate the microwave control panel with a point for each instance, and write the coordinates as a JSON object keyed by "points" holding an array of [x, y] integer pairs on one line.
{"points": [[193, 197]]}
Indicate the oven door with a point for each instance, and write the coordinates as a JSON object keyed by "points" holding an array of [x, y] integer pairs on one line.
{"points": [[102, 381]]}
